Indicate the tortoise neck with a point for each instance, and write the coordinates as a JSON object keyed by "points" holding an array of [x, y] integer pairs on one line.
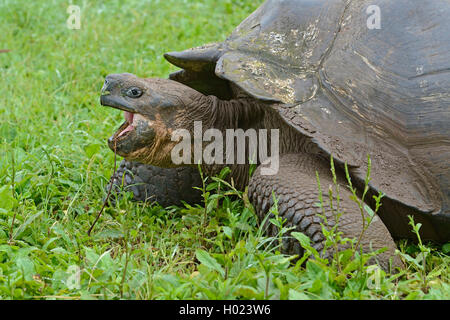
{"points": [[242, 113]]}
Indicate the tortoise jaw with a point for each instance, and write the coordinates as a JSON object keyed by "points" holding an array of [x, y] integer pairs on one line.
{"points": [[126, 127], [122, 138], [124, 130], [115, 102], [134, 133]]}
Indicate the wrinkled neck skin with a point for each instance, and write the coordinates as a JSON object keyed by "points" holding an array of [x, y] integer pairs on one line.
{"points": [[242, 113]]}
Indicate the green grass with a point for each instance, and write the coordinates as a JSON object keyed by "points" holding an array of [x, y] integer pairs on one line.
{"points": [[55, 164]]}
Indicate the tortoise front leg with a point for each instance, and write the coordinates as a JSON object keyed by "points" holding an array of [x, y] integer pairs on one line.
{"points": [[167, 186], [295, 187]]}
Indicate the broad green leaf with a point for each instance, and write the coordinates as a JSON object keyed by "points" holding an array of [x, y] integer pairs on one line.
{"points": [[7, 201], [227, 231], [412, 295], [295, 295], [246, 292], [369, 210], [302, 238], [27, 223], [209, 261], [316, 286], [26, 266]]}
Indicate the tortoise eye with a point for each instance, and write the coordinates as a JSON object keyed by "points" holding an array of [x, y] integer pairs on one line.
{"points": [[134, 92]]}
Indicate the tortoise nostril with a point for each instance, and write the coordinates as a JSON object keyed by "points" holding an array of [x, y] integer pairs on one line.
{"points": [[111, 140], [105, 88]]}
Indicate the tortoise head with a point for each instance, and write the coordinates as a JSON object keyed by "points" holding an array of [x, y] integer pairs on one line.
{"points": [[152, 109]]}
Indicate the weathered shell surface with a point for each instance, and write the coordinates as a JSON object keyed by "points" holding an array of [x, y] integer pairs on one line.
{"points": [[358, 90]]}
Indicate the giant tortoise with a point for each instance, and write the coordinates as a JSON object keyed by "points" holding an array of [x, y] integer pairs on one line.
{"points": [[333, 85]]}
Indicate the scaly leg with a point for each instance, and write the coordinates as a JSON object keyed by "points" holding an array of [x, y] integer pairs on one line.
{"points": [[167, 186], [295, 186]]}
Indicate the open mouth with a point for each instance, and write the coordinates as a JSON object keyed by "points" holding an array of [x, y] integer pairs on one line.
{"points": [[131, 117], [128, 126], [135, 133], [132, 121]]}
